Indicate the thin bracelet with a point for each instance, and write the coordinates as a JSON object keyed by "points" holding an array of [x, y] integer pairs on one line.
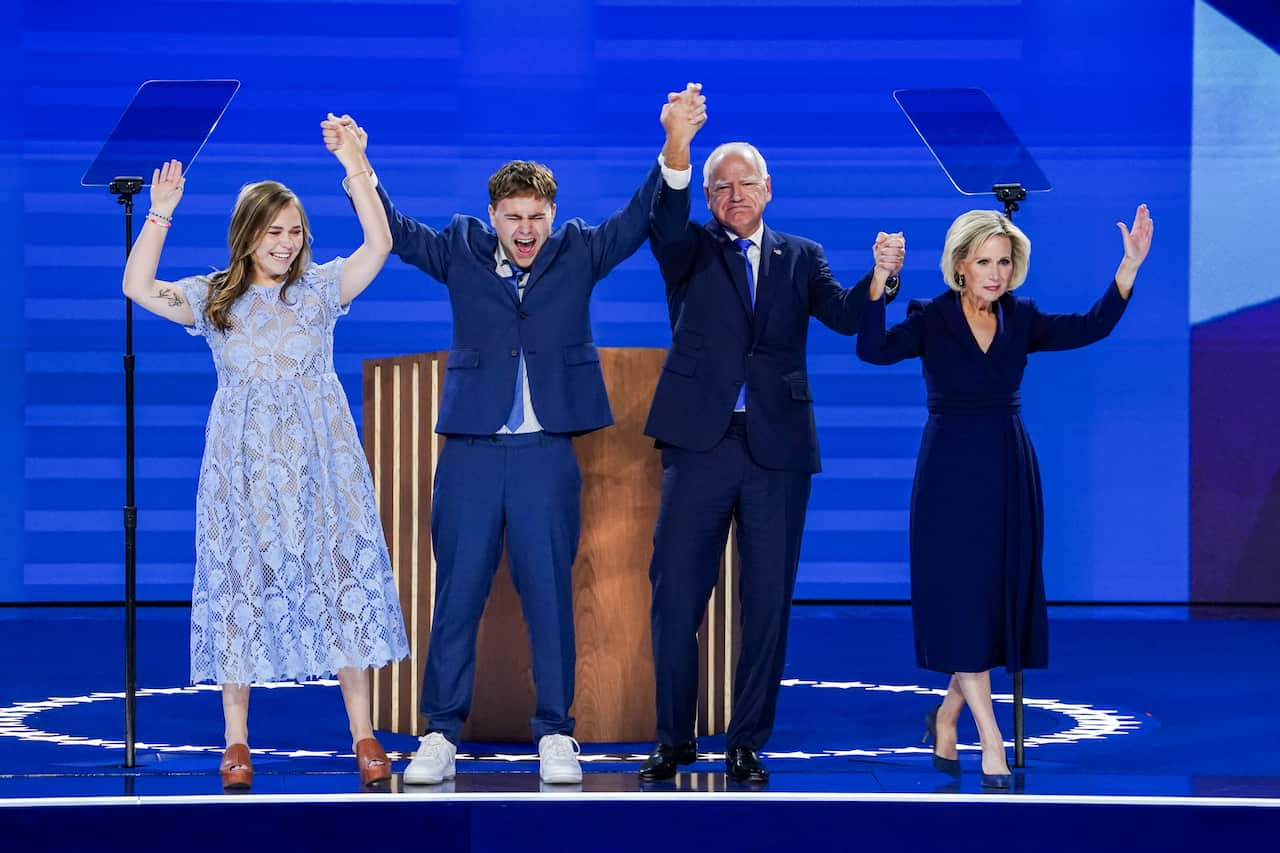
{"points": [[154, 220], [346, 182], [160, 216]]}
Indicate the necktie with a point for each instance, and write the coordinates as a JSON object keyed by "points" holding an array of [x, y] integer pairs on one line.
{"points": [[743, 246], [516, 418]]}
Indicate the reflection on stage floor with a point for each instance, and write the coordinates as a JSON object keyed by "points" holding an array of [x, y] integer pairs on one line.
{"points": [[1144, 706]]}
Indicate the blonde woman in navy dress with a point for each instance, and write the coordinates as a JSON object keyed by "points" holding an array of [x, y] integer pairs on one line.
{"points": [[977, 585], [292, 578]]}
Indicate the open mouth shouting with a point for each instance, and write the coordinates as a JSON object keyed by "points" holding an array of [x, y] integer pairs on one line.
{"points": [[526, 248], [522, 224]]}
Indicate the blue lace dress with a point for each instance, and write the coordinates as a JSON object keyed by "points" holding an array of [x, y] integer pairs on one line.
{"points": [[292, 577]]}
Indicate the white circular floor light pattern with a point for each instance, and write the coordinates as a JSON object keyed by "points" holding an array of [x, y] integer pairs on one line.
{"points": [[1088, 723]]}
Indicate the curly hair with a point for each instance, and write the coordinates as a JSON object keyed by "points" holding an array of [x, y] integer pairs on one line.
{"points": [[522, 178]]}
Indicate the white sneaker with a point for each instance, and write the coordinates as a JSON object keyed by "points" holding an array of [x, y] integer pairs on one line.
{"points": [[558, 760], [432, 763]]}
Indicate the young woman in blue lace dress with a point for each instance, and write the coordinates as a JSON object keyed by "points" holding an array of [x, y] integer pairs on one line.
{"points": [[292, 577]]}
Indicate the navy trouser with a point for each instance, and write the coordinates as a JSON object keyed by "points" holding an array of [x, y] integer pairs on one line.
{"points": [[530, 486], [701, 493]]}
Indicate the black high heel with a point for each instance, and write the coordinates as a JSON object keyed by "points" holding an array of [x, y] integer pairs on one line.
{"points": [[950, 766], [999, 781]]}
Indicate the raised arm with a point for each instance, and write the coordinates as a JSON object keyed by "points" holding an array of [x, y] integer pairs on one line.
{"points": [[903, 341], [1137, 242], [682, 117], [411, 241], [890, 251], [347, 141], [840, 308], [670, 231], [163, 298], [1071, 331]]}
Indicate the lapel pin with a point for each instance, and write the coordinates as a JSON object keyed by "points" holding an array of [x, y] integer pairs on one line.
{"points": [[777, 251]]}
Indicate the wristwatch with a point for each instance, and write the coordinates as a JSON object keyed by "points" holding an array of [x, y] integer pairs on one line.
{"points": [[891, 285]]}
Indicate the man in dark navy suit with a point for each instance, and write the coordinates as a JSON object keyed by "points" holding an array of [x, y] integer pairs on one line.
{"points": [[733, 417], [523, 377]]}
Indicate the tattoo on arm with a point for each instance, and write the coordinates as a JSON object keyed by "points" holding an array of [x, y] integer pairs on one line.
{"points": [[173, 297]]}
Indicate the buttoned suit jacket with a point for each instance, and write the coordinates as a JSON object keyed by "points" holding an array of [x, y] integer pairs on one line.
{"points": [[720, 341]]}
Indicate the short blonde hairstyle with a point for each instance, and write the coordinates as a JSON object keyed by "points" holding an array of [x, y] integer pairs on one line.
{"points": [[971, 230]]}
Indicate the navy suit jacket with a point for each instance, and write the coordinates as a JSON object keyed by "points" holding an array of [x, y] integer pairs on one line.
{"points": [[552, 325], [719, 341]]}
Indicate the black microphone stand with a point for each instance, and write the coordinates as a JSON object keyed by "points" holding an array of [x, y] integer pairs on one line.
{"points": [[125, 188], [1010, 195]]}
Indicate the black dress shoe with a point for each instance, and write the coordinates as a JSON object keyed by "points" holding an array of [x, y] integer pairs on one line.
{"points": [[662, 762], [743, 765]]}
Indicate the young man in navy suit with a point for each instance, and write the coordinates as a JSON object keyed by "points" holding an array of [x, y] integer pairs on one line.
{"points": [[733, 417], [523, 377]]}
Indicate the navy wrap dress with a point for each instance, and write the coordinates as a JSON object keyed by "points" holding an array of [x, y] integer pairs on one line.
{"points": [[977, 589]]}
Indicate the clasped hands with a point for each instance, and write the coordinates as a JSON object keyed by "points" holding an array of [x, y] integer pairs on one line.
{"points": [[347, 141], [889, 251], [684, 113]]}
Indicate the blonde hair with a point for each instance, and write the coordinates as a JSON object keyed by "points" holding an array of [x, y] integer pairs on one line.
{"points": [[970, 231], [256, 208]]}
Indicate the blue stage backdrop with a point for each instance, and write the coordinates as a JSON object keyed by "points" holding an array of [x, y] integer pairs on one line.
{"points": [[1235, 303], [1101, 92]]}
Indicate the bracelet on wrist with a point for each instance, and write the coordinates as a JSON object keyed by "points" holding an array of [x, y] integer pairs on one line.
{"points": [[156, 220], [346, 182], [160, 216]]}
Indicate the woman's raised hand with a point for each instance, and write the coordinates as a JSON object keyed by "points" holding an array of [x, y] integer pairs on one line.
{"points": [[1137, 240], [347, 141], [166, 187]]}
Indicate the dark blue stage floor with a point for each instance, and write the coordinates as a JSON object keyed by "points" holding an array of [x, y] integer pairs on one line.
{"points": [[1155, 721]]}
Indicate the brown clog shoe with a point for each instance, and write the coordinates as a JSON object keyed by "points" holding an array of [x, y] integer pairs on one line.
{"points": [[375, 767], [237, 768]]}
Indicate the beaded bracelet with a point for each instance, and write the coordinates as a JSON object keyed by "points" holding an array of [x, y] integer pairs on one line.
{"points": [[154, 219], [160, 216]]}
